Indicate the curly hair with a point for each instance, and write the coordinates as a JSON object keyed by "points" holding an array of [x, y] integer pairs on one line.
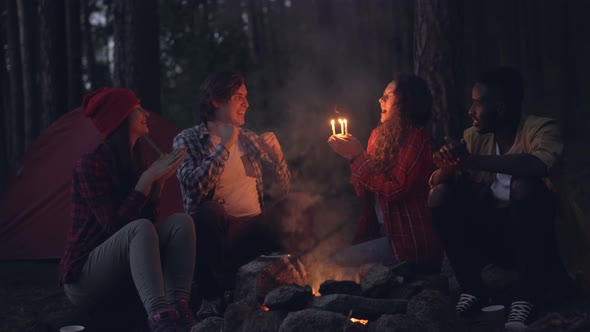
{"points": [[218, 86], [412, 108]]}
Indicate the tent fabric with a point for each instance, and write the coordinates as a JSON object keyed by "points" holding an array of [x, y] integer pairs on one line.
{"points": [[35, 208]]}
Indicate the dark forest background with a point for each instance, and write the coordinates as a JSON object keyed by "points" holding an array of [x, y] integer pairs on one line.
{"points": [[302, 59]]}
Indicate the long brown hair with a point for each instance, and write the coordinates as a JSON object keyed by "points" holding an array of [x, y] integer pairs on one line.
{"points": [[127, 165], [412, 108]]}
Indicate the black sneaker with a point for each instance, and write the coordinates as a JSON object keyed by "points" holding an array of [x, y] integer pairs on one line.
{"points": [[519, 317], [468, 305], [210, 309]]}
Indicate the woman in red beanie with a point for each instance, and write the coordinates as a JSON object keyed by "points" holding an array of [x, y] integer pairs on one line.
{"points": [[112, 243]]}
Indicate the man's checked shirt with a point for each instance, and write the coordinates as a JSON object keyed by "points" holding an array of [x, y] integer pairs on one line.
{"points": [[201, 170], [402, 196]]}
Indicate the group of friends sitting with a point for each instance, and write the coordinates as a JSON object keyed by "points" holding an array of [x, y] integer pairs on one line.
{"points": [[487, 198]]}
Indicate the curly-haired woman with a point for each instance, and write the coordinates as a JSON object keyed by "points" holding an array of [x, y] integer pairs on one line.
{"points": [[391, 178]]}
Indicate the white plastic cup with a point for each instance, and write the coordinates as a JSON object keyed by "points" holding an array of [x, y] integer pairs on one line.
{"points": [[72, 328]]}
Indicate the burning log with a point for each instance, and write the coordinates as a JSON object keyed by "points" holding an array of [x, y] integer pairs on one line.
{"points": [[362, 307], [348, 287]]}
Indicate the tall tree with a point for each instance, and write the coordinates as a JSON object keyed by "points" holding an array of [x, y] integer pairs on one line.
{"points": [[4, 116], [15, 125], [53, 60], [137, 57], [74, 52], [437, 44], [88, 46], [28, 40]]}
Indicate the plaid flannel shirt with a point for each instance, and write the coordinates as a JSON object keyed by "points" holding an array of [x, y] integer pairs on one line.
{"points": [[99, 209], [201, 170], [402, 196]]}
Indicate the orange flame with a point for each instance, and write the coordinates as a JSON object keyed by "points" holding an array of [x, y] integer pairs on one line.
{"points": [[263, 307], [362, 321]]}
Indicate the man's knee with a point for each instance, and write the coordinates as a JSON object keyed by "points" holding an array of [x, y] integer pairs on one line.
{"points": [[440, 195], [526, 189], [210, 212]]}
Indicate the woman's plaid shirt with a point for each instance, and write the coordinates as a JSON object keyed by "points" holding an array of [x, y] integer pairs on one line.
{"points": [[99, 210], [201, 170], [402, 196]]}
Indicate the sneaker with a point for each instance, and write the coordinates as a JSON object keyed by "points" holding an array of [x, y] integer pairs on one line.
{"points": [[187, 319], [165, 321], [209, 309], [468, 305], [520, 314]]}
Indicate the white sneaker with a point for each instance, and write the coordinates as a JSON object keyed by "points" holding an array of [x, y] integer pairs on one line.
{"points": [[520, 314]]}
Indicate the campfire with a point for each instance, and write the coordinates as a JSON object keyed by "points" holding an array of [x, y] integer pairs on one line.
{"points": [[276, 292]]}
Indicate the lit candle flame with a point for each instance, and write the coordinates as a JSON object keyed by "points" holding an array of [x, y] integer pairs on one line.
{"points": [[333, 127], [345, 127], [341, 126]]}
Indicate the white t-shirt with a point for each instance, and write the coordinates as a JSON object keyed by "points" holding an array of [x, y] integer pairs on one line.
{"points": [[501, 185], [237, 186]]}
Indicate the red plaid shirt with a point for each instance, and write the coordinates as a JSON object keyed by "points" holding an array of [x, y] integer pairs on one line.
{"points": [[402, 196], [99, 209]]}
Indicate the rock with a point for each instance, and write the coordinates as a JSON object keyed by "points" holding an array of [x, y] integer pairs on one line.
{"points": [[255, 279], [289, 297], [279, 273], [435, 282], [397, 323], [211, 324], [247, 275], [379, 281], [348, 287], [435, 310], [235, 315], [405, 270], [362, 307], [311, 320], [406, 292], [264, 321]]}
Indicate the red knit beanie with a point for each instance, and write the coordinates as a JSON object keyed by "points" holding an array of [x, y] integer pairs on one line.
{"points": [[108, 107]]}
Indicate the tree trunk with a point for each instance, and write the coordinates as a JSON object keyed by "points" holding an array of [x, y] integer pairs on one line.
{"points": [[27, 37], [437, 41], [137, 57], [53, 62], [15, 125], [74, 52], [88, 46], [4, 115]]}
